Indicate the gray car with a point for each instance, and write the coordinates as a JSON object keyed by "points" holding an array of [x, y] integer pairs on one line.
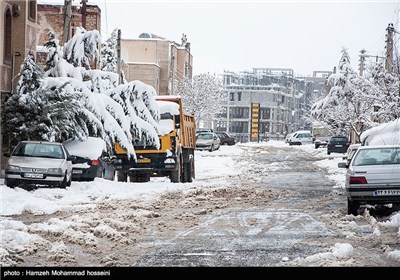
{"points": [[373, 177], [39, 163], [207, 141]]}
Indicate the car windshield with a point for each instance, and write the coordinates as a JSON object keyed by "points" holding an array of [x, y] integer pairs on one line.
{"points": [[377, 156], [205, 136], [39, 150], [338, 140]]}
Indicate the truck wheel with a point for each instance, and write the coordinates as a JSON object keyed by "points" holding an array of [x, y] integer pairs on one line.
{"points": [[176, 174], [187, 172], [122, 176]]}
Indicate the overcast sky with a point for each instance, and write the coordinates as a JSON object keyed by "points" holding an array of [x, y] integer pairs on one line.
{"points": [[239, 35]]}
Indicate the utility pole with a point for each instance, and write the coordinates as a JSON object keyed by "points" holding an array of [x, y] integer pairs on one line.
{"points": [[362, 62], [83, 12], [119, 56], [389, 48], [67, 20]]}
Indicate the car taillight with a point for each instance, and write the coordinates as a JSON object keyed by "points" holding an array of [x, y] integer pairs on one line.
{"points": [[95, 162], [358, 180]]}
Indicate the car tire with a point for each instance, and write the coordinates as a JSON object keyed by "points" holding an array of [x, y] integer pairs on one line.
{"points": [[352, 207], [9, 184], [64, 183], [69, 181], [211, 148], [316, 146], [176, 174], [328, 153]]}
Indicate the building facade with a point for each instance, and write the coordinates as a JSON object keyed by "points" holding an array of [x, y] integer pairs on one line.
{"points": [[18, 30], [158, 62], [282, 101], [50, 18]]}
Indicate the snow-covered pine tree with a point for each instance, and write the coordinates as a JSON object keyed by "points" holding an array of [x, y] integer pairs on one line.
{"points": [[109, 53], [37, 112], [54, 51], [82, 48]]}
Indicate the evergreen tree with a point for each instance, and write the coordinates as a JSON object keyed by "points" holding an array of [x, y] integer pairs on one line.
{"points": [[19, 113], [55, 53], [109, 53]]}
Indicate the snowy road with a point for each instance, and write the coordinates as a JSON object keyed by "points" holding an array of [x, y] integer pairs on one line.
{"points": [[250, 205]]}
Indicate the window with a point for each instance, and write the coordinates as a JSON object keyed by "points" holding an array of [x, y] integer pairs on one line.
{"points": [[7, 38], [231, 96], [239, 96], [32, 10]]}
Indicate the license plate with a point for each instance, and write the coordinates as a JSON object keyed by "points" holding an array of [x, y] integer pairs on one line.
{"points": [[144, 160], [33, 175], [386, 192], [77, 171], [338, 145]]}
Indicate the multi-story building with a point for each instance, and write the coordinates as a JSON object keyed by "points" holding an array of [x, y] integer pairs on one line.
{"points": [[282, 100], [158, 62], [18, 38]]}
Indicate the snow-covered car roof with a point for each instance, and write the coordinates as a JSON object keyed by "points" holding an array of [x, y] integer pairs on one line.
{"points": [[91, 148]]}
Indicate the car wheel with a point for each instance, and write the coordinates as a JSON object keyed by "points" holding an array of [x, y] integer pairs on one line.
{"points": [[64, 182], [328, 153], [212, 148], [316, 146], [69, 181], [352, 207], [9, 184], [226, 144]]}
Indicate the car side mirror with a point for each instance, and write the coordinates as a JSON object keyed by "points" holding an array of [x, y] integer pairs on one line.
{"points": [[7, 154], [344, 158], [71, 158], [342, 165]]}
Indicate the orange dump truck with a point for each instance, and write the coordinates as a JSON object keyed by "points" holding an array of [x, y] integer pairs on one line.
{"points": [[174, 158]]}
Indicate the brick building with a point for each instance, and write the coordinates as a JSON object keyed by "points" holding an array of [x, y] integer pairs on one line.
{"points": [[51, 18]]}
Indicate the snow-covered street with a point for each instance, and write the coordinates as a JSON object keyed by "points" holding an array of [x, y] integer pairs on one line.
{"points": [[248, 206]]}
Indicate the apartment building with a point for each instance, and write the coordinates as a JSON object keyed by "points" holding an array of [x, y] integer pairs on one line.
{"points": [[281, 101], [157, 61]]}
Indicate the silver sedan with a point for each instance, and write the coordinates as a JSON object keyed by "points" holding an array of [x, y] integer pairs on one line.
{"points": [[373, 177], [39, 163]]}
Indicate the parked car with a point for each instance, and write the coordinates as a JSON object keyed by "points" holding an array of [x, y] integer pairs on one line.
{"points": [[39, 163], [372, 177], [301, 137], [200, 130], [350, 152], [207, 141], [226, 139], [288, 137], [337, 144], [92, 159]]}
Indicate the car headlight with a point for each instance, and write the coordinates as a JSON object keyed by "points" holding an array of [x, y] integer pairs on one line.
{"points": [[55, 171], [13, 168]]}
